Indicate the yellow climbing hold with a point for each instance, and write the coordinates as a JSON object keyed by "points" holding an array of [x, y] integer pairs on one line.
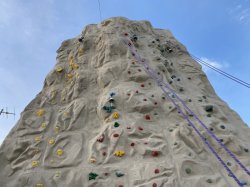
{"points": [[80, 51], [34, 163], [119, 153], [115, 115], [40, 112], [51, 141], [75, 66], [69, 76], [43, 125], [92, 160], [38, 138], [59, 69], [59, 152], [39, 185], [56, 129]]}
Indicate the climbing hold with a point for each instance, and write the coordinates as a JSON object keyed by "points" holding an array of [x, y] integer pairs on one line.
{"points": [[222, 126], [229, 164], [129, 72], [157, 171], [188, 170], [154, 185], [132, 144], [40, 112], [128, 127], [134, 38], [39, 185], [211, 129], [58, 174], [34, 163], [243, 182], [209, 115], [126, 34], [51, 141], [209, 181], [120, 185], [137, 91], [101, 138], [69, 76], [209, 108], [155, 153], [144, 99], [104, 154], [152, 95], [140, 128], [59, 152], [115, 115], [56, 129], [155, 103], [173, 76], [115, 135], [119, 153], [139, 70], [92, 176], [38, 138], [59, 69], [92, 160], [147, 117], [119, 173], [142, 85], [246, 150], [116, 124], [43, 125], [178, 79]]}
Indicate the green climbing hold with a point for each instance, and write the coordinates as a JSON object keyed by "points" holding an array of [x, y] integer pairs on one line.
{"points": [[188, 170], [209, 108], [92, 176], [119, 173], [116, 124], [209, 181]]}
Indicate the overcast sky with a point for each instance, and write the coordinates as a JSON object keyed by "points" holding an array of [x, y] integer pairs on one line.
{"points": [[218, 31]]}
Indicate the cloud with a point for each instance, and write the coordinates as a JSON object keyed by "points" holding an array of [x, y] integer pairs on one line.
{"points": [[214, 63], [240, 13]]}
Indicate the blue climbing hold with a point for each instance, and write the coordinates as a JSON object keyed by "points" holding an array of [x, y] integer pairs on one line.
{"points": [[112, 94], [243, 182]]}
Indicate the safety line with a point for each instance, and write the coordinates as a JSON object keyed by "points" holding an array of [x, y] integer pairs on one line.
{"points": [[221, 72], [100, 13], [158, 80]]}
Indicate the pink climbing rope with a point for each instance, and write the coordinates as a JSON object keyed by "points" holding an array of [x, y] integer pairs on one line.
{"points": [[160, 82]]}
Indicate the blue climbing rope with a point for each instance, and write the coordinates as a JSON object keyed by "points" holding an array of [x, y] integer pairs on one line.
{"points": [[160, 82]]}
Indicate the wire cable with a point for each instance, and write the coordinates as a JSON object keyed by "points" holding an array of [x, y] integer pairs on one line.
{"points": [[243, 83]]}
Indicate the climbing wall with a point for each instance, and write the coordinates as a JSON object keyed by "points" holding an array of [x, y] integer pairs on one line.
{"points": [[101, 120]]}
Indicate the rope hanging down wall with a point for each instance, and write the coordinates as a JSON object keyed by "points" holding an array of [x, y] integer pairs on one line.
{"points": [[164, 86]]}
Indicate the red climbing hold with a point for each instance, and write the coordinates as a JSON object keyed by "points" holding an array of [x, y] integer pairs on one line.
{"points": [[126, 34], [128, 94], [128, 127], [157, 171], [155, 103], [137, 91], [101, 138], [129, 72], [120, 185], [147, 117], [139, 70], [104, 154], [115, 135], [155, 153], [154, 185], [140, 128], [132, 144], [144, 99], [142, 85]]}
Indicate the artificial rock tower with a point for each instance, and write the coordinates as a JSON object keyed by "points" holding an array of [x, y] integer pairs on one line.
{"points": [[102, 120]]}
